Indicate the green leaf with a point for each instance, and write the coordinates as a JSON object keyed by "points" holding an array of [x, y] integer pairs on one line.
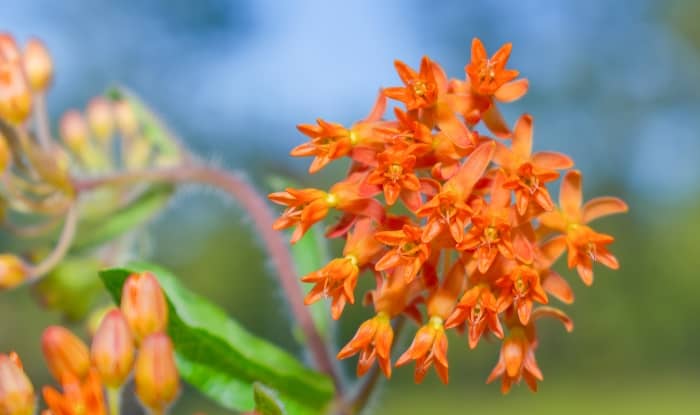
{"points": [[107, 226], [266, 401], [222, 359]]}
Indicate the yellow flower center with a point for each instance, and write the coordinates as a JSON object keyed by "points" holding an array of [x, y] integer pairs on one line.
{"points": [[491, 234]]}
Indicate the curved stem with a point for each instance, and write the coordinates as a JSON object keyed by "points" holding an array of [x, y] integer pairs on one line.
{"points": [[262, 218], [59, 252], [41, 121]]}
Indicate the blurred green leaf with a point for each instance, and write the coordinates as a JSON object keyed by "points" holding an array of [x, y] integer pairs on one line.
{"points": [[71, 287], [99, 230], [223, 360], [266, 401]]}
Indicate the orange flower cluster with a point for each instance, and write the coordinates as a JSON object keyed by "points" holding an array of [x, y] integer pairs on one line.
{"points": [[458, 228]]}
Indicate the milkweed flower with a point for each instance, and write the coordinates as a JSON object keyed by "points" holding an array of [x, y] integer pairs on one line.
{"points": [[112, 349], [143, 305], [458, 229], [77, 397], [65, 353], [155, 375]]}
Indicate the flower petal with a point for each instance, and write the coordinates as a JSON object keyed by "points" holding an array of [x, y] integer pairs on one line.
{"points": [[570, 196], [603, 206], [512, 91]]}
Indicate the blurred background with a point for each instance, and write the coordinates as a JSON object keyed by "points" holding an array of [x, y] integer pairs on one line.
{"points": [[614, 84]]}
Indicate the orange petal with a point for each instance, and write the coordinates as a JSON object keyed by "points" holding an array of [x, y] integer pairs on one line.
{"points": [[557, 286], [512, 91], [603, 206], [495, 122], [522, 137], [552, 160], [570, 196], [378, 109], [478, 50], [546, 311]]}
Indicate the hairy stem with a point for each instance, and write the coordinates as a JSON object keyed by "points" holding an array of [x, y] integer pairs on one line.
{"points": [[262, 217], [41, 121]]}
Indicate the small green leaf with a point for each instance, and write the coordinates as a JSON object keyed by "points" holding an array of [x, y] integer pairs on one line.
{"points": [[266, 401], [109, 225], [222, 359]]}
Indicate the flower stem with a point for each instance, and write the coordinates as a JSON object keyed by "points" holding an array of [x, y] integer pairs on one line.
{"points": [[62, 246], [262, 217], [114, 398]]}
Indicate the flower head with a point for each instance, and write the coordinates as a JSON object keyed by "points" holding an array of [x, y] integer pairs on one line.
{"points": [[429, 348], [373, 342], [16, 391]]}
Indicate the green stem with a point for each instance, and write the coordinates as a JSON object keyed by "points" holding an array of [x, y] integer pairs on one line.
{"points": [[115, 399]]}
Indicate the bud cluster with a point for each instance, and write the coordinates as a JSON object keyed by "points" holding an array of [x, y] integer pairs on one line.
{"points": [[449, 209], [130, 339]]}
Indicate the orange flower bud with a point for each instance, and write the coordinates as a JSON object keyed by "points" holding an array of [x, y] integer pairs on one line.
{"points": [[38, 65], [74, 130], [126, 118], [13, 271], [143, 305], [16, 391], [65, 354], [15, 96], [156, 377], [101, 118], [113, 349]]}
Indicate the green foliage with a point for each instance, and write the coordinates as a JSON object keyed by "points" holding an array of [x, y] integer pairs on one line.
{"points": [[108, 226], [71, 287], [223, 360], [266, 401]]}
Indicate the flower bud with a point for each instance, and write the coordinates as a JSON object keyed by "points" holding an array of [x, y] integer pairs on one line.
{"points": [[65, 354], [101, 118], [126, 118], [74, 131], [143, 305], [113, 349], [16, 391], [155, 374], [13, 271], [38, 65], [15, 96]]}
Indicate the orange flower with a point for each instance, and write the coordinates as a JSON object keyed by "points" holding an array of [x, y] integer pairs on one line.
{"points": [[477, 307], [429, 347], [520, 288], [65, 353], [16, 391], [373, 341], [492, 231], [395, 175], [449, 208], [338, 278], [529, 172], [78, 398], [421, 88], [409, 252], [585, 246], [305, 208], [517, 357], [488, 75]]}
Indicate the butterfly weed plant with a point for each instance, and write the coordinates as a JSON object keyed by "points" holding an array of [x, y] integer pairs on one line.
{"points": [[445, 208]]}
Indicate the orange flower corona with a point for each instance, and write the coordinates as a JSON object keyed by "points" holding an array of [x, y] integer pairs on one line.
{"points": [[458, 228]]}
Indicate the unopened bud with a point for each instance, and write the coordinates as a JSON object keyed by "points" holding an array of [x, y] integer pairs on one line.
{"points": [[65, 354], [113, 349], [16, 391], [38, 65], [126, 118], [13, 271], [101, 118], [155, 373], [143, 305], [74, 130], [15, 96]]}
